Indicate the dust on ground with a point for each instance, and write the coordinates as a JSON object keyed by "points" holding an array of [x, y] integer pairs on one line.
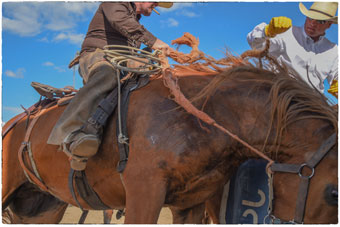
{"points": [[73, 214]]}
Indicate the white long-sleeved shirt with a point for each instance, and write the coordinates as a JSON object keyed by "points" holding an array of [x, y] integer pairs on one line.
{"points": [[295, 49]]}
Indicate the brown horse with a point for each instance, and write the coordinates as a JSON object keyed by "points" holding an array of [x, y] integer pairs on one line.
{"points": [[181, 162]]}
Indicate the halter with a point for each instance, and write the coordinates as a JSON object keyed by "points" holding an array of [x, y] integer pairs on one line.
{"points": [[304, 183]]}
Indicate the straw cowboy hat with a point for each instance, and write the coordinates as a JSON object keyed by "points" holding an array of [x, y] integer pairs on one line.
{"points": [[163, 5], [321, 11]]}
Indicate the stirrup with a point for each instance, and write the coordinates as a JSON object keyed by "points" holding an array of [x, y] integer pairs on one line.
{"points": [[78, 163]]}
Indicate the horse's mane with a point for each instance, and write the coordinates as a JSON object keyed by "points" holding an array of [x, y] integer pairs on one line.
{"points": [[291, 99]]}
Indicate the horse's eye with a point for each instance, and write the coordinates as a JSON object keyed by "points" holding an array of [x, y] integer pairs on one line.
{"points": [[334, 194], [331, 194]]}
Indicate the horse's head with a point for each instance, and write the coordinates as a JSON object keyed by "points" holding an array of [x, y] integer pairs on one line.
{"points": [[306, 182], [295, 127], [307, 191]]}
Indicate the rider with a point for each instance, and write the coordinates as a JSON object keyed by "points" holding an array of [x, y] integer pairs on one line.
{"points": [[114, 23], [304, 50]]}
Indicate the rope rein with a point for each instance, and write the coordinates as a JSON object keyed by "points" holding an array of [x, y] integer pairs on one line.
{"points": [[180, 99], [120, 55]]}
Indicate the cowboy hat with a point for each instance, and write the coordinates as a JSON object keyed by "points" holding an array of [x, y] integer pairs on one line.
{"points": [[321, 11], [164, 5]]}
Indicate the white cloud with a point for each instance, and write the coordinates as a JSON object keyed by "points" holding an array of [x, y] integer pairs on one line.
{"points": [[22, 20], [10, 73], [15, 110], [59, 69], [48, 63], [172, 22], [188, 13], [19, 73], [44, 39], [51, 64], [31, 18], [72, 38], [59, 37]]}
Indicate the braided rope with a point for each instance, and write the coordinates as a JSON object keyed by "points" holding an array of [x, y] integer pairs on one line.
{"points": [[119, 56]]}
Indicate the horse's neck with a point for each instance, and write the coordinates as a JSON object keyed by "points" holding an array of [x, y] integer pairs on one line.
{"points": [[248, 116]]}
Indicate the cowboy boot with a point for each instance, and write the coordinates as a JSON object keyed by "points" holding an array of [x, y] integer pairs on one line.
{"points": [[82, 147], [85, 146]]}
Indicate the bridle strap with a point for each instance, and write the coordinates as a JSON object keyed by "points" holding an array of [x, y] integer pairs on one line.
{"points": [[323, 150], [304, 183], [301, 200], [287, 168]]}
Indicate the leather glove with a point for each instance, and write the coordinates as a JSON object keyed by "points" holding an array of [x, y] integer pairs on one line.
{"points": [[160, 45], [334, 88], [277, 25]]}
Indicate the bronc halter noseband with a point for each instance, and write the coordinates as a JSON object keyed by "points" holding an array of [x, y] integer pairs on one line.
{"points": [[304, 183]]}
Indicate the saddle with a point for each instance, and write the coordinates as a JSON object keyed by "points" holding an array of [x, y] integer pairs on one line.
{"points": [[51, 96], [52, 92], [60, 96]]}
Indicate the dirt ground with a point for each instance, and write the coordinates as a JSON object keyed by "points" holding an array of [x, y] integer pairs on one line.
{"points": [[73, 214]]}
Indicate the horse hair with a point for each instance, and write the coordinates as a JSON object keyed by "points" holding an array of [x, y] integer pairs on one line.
{"points": [[291, 99]]}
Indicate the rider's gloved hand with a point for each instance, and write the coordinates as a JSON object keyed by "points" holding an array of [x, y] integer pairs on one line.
{"points": [[160, 45], [277, 25], [334, 88]]}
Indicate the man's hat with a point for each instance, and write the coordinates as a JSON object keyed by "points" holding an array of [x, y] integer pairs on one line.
{"points": [[164, 5], [321, 11]]}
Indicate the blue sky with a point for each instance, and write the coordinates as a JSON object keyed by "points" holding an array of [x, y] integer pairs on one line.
{"points": [[40, 38]]}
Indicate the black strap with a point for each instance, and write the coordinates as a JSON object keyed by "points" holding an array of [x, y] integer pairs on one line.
{"points": [[87, 193], [322, 151], [304, 183], [83, 217], [318, 11], [123, 147], [70, 185], [129, 86], [301, 200], [288, 168]]}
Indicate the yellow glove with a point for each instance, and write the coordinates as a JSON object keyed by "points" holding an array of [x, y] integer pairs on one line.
{"points": [[277, 25], [334, 88]]}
